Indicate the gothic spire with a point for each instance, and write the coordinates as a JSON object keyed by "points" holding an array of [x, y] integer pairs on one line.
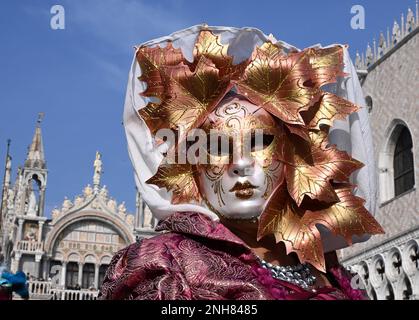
{"points": [[6, 182], [36, 157]]}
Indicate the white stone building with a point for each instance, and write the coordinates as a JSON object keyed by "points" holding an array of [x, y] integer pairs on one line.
{"points": [[65, 256], [388, 265]]}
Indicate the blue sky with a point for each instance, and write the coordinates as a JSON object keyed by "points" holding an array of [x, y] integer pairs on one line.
{"points": [[77, 76]]}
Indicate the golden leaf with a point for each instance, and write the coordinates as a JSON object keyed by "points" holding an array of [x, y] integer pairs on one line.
{"points": [[297, 227], [179, 179], [209, 46], [306, 180], [151, 61], [328, 109], [310, 168], [275, 81], [327, 64], [319, 138], [298, 130], [287, 223], [188, 97], [348, 217], [185, 92]]}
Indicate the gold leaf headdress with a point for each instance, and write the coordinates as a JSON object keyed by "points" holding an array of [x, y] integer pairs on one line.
{"points": [[315, 189]]}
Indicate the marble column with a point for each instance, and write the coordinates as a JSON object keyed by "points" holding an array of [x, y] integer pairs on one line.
{"points": [[41, 225], [19, 230], [15, 263], [80, 275], [37, 266], [96, 276], [63, 273], [41, 202], [45, 269]]}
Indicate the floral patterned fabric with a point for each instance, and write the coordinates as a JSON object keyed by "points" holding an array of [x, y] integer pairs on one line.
{"points": [[197, 258]]}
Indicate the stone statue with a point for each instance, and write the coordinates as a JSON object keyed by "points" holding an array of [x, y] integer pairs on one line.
{"points": [[55, 213], [358, 60], [32, 205], [95, 204], [381, 45], [104, 192], [78, 201], [369, 56], [112, 205], [88, 191], [10, 198], [130, 219], [67, 204], [396, 33], [31, 234], [148, 218], [410, 21], [19, 187], [122, 210], [98, 169]]}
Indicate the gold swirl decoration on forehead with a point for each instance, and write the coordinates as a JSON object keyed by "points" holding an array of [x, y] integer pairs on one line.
{"points": [[315, 189]]}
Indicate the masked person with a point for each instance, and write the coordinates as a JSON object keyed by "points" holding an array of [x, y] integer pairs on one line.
{"points": [[10, 283], [244, 149]]}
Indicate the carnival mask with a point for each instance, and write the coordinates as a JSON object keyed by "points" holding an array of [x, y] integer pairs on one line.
{"points": [[242, 167]]}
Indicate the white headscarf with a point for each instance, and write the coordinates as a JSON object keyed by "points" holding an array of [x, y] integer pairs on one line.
{"points": [[352, 135]]}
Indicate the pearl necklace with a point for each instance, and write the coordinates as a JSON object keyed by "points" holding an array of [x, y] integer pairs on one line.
{"points": [[299, 274]]}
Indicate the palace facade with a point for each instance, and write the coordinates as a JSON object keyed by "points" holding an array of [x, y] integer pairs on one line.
{"points": [[388, 265]]}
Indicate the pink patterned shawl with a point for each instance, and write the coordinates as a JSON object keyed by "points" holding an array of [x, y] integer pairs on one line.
{"points": [[197, 258]]}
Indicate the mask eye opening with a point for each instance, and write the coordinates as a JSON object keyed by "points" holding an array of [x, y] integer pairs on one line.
{"points": [[267, 140]]}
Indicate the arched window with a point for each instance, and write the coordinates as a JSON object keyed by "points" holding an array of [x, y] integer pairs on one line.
{"points": [[395, 162], [403, 163], [88, 276], [369, 103], [72, 275]]}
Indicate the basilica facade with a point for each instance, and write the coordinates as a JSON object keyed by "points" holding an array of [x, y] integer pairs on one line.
{"points": [[388, 265], [65, 256]]}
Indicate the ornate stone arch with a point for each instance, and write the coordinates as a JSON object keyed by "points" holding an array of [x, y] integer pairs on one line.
{"points": [[377, 271], [90, 258], [75, 217], [411, 264], [105, 259], [394, 265], [39, 177], [73, 256], [364, 273], [386, 159], [411, 258]]}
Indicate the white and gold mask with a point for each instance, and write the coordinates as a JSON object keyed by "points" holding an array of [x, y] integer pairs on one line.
{"points": [[239, 175]]}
